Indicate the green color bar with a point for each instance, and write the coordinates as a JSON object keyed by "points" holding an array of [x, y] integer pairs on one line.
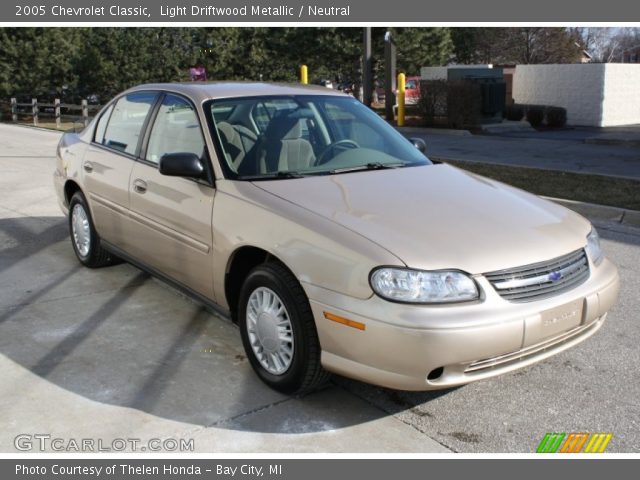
{"points": [[543, 443], [550, 443], [558, 442]]}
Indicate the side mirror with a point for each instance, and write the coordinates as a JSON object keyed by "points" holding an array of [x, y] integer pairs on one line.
{"points": [[419, 144], [181, 164]]}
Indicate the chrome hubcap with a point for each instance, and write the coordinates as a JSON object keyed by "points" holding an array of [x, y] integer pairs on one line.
{"points": [[269, 329], [80, 229]]}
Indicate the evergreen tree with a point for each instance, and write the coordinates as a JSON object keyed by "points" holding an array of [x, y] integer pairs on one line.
{"points": [[422, 47]]}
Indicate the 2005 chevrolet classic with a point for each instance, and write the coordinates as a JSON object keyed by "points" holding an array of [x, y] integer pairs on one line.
{"points": [[331, 240]]}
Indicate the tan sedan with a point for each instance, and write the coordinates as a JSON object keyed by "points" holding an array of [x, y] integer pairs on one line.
{"points": [[331, 240]]}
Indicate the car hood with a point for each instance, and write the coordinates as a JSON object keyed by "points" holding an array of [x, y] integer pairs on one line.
{"points": [[438, 216]]}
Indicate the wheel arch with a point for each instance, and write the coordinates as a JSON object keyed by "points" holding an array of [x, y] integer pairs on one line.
{"points": [[70, 189], [240, 263]]}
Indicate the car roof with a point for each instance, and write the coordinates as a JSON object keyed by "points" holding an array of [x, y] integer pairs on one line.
{"points": [[201, 91]]}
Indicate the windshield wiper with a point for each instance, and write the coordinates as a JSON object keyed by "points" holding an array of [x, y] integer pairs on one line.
{"points": [[369, 166], [272, 176]]}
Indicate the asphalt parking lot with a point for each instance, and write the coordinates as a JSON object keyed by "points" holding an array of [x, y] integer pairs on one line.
{"points": [[114, 353], [564, 151]]}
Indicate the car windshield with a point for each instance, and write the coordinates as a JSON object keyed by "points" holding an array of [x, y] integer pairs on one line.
{"points": [[295, 136]]}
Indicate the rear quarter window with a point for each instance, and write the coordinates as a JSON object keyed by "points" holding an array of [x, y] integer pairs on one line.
{"points": [[102, 125]]}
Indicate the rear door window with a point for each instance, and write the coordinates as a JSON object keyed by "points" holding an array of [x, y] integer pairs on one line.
{"points": [[125, 123]]}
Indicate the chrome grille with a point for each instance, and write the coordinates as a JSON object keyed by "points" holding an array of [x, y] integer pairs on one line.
{"points": [[540, 280]]}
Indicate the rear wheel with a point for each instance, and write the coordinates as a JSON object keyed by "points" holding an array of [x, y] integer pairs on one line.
{"points": [[278, 331], [84, 238]]}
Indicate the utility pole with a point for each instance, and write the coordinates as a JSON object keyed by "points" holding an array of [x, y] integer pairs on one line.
{"points": [[389, 75], [367, 67]]}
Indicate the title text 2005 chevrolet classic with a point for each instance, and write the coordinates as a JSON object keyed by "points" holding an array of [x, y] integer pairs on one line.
{"points": [[332, 241]]}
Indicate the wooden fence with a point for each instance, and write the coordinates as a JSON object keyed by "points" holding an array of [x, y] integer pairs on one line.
{"points": [[38, 110]]}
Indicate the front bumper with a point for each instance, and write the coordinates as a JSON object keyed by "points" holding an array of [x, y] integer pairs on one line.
{"points": [[416, 347]]}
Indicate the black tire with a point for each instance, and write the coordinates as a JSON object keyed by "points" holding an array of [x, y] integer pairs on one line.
{"points": [[305, 373], [96, 256]]}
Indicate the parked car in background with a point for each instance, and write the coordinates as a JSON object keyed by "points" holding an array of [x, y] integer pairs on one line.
{"points": [[412, 90], [346, 87], [334, 243], [323, 82]]}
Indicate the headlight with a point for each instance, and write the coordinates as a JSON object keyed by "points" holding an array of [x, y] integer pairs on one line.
{"points": [[594, 252], [416, 286]]}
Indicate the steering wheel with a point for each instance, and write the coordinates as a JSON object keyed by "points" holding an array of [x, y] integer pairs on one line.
{"points": [[344, 144]]}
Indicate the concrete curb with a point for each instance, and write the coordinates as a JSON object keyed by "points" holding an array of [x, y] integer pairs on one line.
{"points": [[434, 131], [602, 212], [622, 142], [506, 126]]}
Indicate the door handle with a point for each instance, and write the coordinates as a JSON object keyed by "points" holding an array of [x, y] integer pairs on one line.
{"points": [[139, 185], [88, 167]]}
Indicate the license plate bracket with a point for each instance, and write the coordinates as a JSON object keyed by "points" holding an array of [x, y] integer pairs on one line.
{"points": [[552, 322]]}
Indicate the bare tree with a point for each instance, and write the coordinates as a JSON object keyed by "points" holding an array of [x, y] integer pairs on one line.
{"points": [[522, 45], [542, 45], [606, 44], [627, 38]]}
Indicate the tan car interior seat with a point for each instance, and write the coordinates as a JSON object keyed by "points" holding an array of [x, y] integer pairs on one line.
{"points": [[283, 148], [237, 141]]}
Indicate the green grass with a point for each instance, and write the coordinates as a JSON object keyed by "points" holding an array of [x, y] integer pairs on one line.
{"points": [[617, 192]]}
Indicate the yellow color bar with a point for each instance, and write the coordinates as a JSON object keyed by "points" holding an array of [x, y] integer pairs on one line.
{"points": [[401, 91], [598, 443], [590, 444], [304, 78], [344, 321], [606, 440]]}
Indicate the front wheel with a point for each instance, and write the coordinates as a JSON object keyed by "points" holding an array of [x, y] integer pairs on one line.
{"points": [[278, 331]]}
